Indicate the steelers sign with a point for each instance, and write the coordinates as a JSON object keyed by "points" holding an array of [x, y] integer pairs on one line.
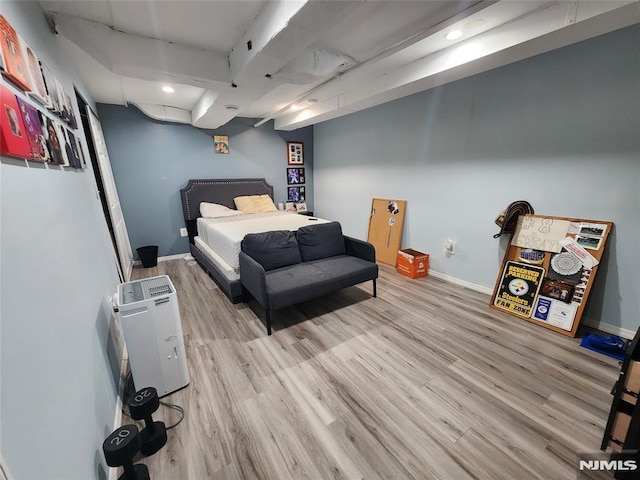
{"points": [[519, 288]]}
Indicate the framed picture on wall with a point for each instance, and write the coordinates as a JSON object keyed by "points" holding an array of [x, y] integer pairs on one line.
{"points": [[15, 64], [296, 194], [295, 153], [221, 143], [33, 130], [295, 176], [13, 134], [39, 90]]}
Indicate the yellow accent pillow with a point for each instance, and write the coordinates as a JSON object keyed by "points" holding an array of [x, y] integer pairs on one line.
{"points": [[255, 204]]}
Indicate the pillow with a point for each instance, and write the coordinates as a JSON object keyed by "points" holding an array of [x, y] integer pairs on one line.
{"points": [[272, 249], [215, 210], [255, 204], [321, 241]]}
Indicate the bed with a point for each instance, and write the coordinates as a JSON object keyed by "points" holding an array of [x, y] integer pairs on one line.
{"points": [[215, 242]]}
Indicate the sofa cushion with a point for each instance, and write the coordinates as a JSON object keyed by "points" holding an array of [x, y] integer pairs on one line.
{"points": [[321, 241], [272, 249], [345, 270], [296, 283]]}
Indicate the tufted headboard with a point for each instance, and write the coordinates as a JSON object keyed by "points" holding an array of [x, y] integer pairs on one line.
{"points": [[221, 191]]}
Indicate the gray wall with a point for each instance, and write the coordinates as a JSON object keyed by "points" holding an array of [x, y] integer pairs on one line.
{"points": [[58, 367], [153, 160], [560, 130]]}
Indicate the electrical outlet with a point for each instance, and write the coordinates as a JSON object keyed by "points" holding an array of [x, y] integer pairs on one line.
{"points": [[450, 247], [183, 232]]}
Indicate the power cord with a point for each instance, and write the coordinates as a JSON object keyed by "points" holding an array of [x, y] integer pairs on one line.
{"points": [[129, 390], [178, 408]]}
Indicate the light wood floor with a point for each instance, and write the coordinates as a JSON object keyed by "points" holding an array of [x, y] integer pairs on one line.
{"points": [[425, 381]]}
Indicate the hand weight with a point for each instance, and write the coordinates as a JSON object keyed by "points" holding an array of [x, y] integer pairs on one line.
{"points": [[119, 449], [141, 405]]}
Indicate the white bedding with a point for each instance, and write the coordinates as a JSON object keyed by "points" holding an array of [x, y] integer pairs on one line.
{"points": [[223, 235], [224, 267]]}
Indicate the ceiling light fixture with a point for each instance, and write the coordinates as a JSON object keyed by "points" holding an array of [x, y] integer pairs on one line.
{"points": [[294, 108], [168, 89], [233, 108], [453, 35]]}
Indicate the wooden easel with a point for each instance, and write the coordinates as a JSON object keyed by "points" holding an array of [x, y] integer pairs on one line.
{"points": [[386, 223]]}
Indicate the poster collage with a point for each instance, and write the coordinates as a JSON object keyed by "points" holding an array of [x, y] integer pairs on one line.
{"points": [[296, 195], [549, 268], [37, 125]]}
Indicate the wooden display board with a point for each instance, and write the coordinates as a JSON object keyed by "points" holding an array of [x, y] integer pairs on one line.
{"points": [[549, 269], [386, 223]]}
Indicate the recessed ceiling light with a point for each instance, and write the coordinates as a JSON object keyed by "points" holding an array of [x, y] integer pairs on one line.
{"points": [[233, 108], [453, 35], [168, 89], [295, 108]]}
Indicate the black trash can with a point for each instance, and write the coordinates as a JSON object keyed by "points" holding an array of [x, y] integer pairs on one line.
{"points": [[148, 255]]}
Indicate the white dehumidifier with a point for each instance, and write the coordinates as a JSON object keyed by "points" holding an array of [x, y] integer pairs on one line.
{"points": [[150, 318]]}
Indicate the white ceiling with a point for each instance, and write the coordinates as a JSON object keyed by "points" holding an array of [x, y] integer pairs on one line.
{"points": [[310, 60]]}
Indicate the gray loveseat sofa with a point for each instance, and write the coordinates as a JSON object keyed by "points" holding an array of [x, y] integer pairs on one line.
{"points": [[280, 268]]}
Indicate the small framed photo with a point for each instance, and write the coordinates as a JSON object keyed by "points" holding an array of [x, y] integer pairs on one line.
{"points": [[290, 207], [221, 143], [296, 194], [302, 207], [295, 176], [295, 153], [592, 243]]}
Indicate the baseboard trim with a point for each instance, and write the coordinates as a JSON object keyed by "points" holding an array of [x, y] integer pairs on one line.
{"points": [[589, 322], [173, 257], [462, 283], [608, 328], [117, 420], [166, 258]]}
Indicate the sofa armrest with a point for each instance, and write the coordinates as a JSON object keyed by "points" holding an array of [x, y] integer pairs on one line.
{"points": [[360, 249], [252, 277]]}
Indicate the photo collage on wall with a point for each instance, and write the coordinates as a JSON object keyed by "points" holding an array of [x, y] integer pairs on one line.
{"points": [[549, 268], [37, 124], [296, 195]]}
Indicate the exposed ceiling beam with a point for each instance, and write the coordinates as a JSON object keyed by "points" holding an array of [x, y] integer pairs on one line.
{"points": [[145, 58], [281, 32], [540, 32]]}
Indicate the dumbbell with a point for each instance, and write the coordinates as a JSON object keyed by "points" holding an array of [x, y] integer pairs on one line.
{"points": [[119, 449], [141, 405]]}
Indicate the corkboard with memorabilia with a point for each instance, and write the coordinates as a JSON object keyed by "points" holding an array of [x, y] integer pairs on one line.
{"points": [[386, 223], [549, 269]]}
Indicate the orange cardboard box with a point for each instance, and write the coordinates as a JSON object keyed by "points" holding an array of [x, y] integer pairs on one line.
{"points": [[412, 263]]}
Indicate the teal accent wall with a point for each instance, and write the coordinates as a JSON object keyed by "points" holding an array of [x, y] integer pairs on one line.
{"points": [[561, 130], [153, 160]]}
